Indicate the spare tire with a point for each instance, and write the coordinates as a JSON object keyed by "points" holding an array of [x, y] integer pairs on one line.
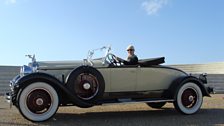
{"points": [[87, 85]]}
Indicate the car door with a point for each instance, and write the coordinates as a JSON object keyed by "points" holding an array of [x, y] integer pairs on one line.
{"points": [[123, 79], [148, 79]]}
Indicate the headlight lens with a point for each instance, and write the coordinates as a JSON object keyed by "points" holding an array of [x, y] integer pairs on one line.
{"points": [[25, 70], [13, 82]]}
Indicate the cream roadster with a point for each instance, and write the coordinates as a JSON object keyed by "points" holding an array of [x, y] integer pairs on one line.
{"points": [[42, 86]]}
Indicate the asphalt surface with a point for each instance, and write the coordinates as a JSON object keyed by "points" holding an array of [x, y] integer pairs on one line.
{"points": [[211, 114]]}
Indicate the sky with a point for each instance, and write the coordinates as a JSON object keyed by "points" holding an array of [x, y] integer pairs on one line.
{"points": [[183, 31]]}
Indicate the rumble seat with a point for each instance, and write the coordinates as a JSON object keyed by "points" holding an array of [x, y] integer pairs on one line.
{"points": [[151, 61]]}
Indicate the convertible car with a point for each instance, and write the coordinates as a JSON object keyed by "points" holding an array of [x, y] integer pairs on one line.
{"points": [[41, 87]]}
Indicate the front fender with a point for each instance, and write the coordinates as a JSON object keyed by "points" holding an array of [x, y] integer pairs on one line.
{"points": [[34, 77], [23, 81], [43, 77]]}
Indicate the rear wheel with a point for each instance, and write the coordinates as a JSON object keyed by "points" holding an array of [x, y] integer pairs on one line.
{"points": [[156, 104], [38, 101], [189, 98]]}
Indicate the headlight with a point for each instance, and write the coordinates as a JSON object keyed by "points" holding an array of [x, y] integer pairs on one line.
{"points": [[13, 82], [25, 70]]}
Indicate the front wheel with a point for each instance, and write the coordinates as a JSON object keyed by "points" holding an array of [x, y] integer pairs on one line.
{"points": [[38, 101], [188, 98]]}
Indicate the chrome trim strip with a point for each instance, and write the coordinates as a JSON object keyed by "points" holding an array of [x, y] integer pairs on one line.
{"points": [[56, 68]]}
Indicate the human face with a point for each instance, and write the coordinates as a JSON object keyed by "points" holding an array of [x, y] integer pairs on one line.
{"points": [[130, 51]]}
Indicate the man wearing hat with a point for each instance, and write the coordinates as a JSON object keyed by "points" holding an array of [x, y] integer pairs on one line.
{"points": [[132, 58]]}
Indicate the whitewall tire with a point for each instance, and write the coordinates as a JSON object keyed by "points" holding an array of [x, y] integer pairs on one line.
{"points": [[189, 98], [38, 101]]}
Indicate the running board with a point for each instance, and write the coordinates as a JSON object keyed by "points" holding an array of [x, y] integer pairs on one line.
{"points": [[129, 100]]}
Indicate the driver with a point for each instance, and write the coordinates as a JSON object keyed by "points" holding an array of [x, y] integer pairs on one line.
{"points": [[132, 59]]}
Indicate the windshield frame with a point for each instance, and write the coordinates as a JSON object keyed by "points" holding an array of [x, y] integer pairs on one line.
{"points": [[103, 59]]}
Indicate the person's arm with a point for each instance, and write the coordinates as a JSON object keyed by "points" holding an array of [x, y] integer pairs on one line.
{"points": [[131, 61], [120, 59]]}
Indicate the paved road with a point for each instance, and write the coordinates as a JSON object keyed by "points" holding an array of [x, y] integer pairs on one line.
{"points": [[211, 113]]}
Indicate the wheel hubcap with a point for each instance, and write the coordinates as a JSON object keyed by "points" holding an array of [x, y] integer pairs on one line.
{"points": [[189, 98], [86, 86], [38, 101]]}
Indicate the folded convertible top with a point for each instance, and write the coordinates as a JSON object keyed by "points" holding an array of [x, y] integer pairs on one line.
{"points": [[151, 61]]}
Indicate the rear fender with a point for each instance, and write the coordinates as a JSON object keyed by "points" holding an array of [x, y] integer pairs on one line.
{"points": [[182, 80]]}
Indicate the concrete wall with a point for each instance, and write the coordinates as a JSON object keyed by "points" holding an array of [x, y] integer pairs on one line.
{"points": [[215, 73], [209, 68], [6, 74]]}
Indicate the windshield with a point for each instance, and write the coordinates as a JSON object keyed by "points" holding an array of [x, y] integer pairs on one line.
{"points": [[98, 54]]}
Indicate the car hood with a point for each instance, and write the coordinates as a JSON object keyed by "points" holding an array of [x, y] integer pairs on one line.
{"points": [[67, 64]]}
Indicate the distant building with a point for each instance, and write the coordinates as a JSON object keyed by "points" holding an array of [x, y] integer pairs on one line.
{"points": [[215, 73], [209, 68], [6, 74]]}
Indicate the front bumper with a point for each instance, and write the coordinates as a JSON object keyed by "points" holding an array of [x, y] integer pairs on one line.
{"points": [[8, 98]]}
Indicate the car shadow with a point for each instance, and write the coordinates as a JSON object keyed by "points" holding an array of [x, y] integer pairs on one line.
{"points": [[139, 118]]}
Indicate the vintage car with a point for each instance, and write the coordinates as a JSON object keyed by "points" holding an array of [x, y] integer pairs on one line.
{"points": [[41, 87]]}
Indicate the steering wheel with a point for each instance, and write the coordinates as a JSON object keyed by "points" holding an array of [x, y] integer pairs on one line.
{"points": [[113, 60]]}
